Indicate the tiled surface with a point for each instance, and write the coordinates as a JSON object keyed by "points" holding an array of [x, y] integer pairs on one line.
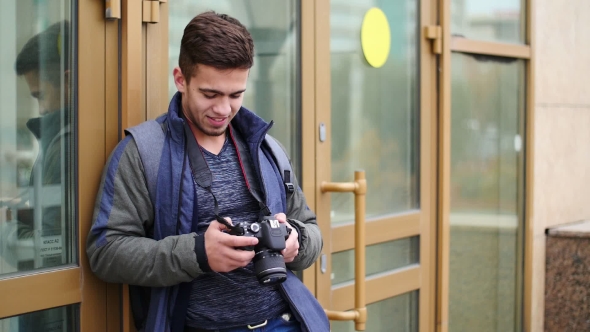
{"points": [[562, 134], [561, 190], [562, 165], [562, 52]]}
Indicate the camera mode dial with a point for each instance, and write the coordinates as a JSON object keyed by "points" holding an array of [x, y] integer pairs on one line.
{"points": [[254, 228]]}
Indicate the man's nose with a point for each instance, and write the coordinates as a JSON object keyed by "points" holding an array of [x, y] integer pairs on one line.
{"points": [[223, 106]]}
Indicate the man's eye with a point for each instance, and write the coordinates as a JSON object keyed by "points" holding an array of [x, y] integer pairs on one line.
{"points": [[236, 96], [210, 96]]}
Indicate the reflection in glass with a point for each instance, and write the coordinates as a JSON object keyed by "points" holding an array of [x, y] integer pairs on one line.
{"points": [[380, 257], [273, 85], [375, 122], [36, 136], [486, 175], [398, 314], [498, 21], [63, 319]]}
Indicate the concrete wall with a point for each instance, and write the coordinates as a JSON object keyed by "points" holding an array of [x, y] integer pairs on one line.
{"points": [[562, 126]]}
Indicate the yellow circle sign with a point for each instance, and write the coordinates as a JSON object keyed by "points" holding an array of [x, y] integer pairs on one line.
{"points": [[375, 37]]}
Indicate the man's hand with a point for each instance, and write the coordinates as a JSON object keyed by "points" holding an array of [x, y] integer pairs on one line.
{"points": [[222, 254], [292, 246]]}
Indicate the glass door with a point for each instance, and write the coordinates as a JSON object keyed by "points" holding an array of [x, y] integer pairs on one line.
{"points": [[53, 107], [483, 129], [376, 111]]}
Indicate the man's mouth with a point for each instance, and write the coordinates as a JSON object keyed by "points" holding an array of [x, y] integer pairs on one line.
{"points": [[217, 121]]}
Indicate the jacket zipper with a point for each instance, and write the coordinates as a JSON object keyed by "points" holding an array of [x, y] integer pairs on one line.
{"points": [[180, 195]]}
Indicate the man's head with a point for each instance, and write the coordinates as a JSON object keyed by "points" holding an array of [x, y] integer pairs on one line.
{"points": [[216, 54], [215, 40], [44, 63]]}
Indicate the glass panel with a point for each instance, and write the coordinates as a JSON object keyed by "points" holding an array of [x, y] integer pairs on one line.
{"points": [[63, 319], [274, 85], [380, 257], [499, 21], [375, 111], [36, 135], [486, 175], [399, 314]]}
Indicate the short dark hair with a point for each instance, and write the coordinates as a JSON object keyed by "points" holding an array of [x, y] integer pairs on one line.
{"points": [[216, 40], [45, 51]]}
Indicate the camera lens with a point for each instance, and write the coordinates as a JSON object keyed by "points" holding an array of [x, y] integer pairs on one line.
{"points": [[269, 267]]}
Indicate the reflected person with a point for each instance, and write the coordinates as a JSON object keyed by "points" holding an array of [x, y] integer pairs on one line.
{"points": [[44, 65]]}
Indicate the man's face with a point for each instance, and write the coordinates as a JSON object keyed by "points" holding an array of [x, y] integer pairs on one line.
{"points": [[47, 93], [212, 98]]}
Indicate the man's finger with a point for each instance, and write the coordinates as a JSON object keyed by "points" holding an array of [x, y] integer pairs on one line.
{"points": [[217, 225], [294, 238], [239, 241], [281, 217], [237, 258], [242, 257]]}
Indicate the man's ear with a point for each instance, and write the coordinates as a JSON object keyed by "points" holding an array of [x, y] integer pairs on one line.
{"points": [[179, 80]]}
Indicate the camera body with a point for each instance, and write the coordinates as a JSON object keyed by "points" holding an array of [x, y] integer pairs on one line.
{"points": [[269, 264]]}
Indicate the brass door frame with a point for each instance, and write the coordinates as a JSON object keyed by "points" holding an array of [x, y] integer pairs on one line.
{"points": [[421, 222], [526, 53], [144, 93]]}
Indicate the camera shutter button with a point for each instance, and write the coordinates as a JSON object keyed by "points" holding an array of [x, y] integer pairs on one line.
{"points": [[254, 228]]}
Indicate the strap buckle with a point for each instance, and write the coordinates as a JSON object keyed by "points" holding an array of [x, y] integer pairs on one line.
{"points": [[289, 187], [250, 327]]}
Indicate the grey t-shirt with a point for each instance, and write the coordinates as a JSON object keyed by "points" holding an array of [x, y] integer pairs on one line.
{"points": [[225, 300]]}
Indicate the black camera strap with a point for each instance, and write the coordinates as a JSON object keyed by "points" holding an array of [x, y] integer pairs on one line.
{"points": [[202, 174]]}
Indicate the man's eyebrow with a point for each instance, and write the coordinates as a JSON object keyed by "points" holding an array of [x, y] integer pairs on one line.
{"points": [[219, 92]]}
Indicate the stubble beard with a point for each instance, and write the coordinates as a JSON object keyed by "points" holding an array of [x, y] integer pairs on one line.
{"points": [[211, 132]]}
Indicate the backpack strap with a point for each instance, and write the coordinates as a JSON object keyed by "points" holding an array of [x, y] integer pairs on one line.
{"points": [[149, 137], [282, 162]]}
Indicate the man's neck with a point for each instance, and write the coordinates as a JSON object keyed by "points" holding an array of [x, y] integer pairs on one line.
{"points": [[213, 144]]}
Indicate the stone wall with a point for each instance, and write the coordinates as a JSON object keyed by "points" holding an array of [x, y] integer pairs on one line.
{"points": [[561, 125]]}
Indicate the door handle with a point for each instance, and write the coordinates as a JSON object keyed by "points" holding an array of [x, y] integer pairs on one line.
{"points": [[359, 188]]}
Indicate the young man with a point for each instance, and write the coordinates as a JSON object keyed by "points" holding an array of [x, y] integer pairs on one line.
{"points": [[213, 172]]}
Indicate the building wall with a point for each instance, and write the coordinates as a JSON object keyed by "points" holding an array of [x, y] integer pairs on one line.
{"points": [[561, 126]]}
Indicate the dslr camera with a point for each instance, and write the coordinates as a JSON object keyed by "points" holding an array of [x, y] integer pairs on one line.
{"points": [[269, 264]]}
